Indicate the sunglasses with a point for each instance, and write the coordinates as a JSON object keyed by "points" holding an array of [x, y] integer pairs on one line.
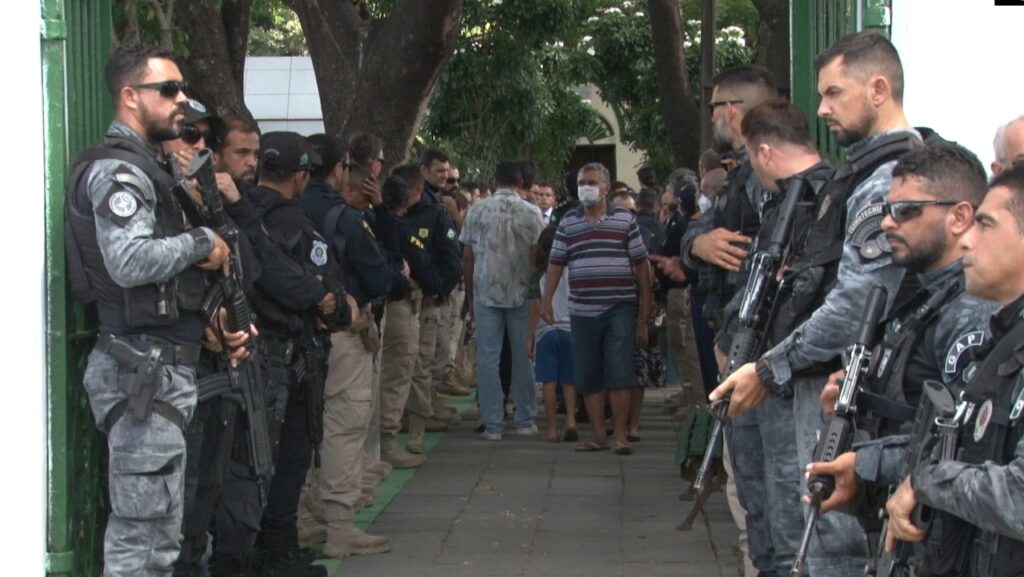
{"points": [[167, 88], [191, 135], [905, 210], [452, 181]]}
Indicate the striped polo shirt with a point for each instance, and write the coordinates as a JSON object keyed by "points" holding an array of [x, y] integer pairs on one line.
{"points": [[600, 256]]}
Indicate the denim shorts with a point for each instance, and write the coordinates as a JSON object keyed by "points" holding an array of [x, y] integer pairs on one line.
{"points": [[603, 349], [554, 359]]}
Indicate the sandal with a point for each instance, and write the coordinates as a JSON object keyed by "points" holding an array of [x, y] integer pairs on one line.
{"points": [[590, 447], [571, 435], [622, 448]]}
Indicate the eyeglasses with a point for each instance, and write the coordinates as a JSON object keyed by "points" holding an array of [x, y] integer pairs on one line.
{"points": [[167, 88], [716, 103], [452, 180], [191, 135], [905, 210]]}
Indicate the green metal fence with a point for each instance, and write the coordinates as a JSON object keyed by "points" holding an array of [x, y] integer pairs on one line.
{"points": [[75, 40], [815, 25]]}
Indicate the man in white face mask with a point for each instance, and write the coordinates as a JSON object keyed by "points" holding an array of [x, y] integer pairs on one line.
{"points": [[609, 281]]}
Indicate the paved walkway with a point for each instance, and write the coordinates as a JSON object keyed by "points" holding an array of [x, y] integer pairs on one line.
{"points": [[528, 508]]}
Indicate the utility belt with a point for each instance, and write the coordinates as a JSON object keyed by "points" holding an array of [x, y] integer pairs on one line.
{"points": [[143, 375], [278, 349]]}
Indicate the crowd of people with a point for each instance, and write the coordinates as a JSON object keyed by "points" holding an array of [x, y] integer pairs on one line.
{"points": [[261, 297]]}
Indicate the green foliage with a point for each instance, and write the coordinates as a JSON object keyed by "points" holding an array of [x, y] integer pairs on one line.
{"points": [[275, 30], [508, 91], [619, 37]]}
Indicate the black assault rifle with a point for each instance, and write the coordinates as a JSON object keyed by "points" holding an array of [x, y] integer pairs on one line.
{"points": [[756, 311], [839, 436], [937, 422], [246, 384]]}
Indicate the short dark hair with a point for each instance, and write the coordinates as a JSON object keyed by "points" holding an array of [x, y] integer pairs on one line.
{"points": [[364, 148], [748, 77], [394, 192], [646, 199], [231, 123], [528, 173], [950, 172], [865, 54], [410, 173], [646, 176], [431, 154], [508, 173], [127, 64], [1012, 180], [459, 198], [709, 160], [776, 121], [331, 154]]}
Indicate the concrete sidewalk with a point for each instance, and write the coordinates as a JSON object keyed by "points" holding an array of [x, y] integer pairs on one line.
{"points": [[529, 508]]}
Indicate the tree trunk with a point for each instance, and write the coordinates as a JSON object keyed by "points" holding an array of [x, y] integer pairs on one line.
{"points": [[216, 44], [378, 82], [682, 121], [772, 50]]}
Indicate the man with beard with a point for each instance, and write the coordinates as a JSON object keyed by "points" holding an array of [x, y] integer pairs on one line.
{"points": [[928, 212], [130, 252], [716, 245], [838, 259]]}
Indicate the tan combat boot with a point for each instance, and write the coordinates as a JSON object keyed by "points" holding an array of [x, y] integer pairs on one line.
{"points": [[394, 454], [344, 538], [445, 414], [417, 429]]}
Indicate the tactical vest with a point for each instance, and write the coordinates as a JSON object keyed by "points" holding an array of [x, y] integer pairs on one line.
{"points": [[996, 425], [813, 270], [732, 211], [138, 309], [885, 396]]}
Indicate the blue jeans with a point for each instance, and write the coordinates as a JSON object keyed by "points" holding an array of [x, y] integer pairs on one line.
{"points": [[491, 324], [839, 546], [603, 348], [705, 338]]}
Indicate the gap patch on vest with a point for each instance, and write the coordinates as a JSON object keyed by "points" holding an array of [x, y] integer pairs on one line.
{"points": [[955, 358], [865, 232]]}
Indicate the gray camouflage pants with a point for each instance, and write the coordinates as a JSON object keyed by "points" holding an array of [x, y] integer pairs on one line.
{"points": [[146, 474], [839, 546]]}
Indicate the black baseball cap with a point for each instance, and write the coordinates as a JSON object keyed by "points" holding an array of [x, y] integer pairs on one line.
{"points": [[287, 152], [195, 111], [331, 150]]}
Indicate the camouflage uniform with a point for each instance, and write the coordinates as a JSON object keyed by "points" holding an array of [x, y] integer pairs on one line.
{"points": [[983, 485], [147, 457], [840, 546]]}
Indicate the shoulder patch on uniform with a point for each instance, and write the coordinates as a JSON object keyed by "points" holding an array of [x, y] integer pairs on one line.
{"points": [[319, 253], [451, 234], [865, 232], [424, 232], [122, 203], [129, 178], [955, 354]]}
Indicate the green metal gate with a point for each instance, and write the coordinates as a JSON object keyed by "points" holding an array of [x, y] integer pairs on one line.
{"points": [[814, 26], [75, 41]]}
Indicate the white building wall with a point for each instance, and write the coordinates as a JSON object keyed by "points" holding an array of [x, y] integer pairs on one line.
{"points": [[22, 242], [962, 67]]}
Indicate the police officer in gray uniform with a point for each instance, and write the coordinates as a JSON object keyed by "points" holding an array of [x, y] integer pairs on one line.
{"points": [[930, 208], [840, 258], [983, 486], [132, 253]]}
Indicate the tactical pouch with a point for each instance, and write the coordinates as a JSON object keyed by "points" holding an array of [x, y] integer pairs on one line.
{"points": [[151, 305], [370, 335], [947, 546]]}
